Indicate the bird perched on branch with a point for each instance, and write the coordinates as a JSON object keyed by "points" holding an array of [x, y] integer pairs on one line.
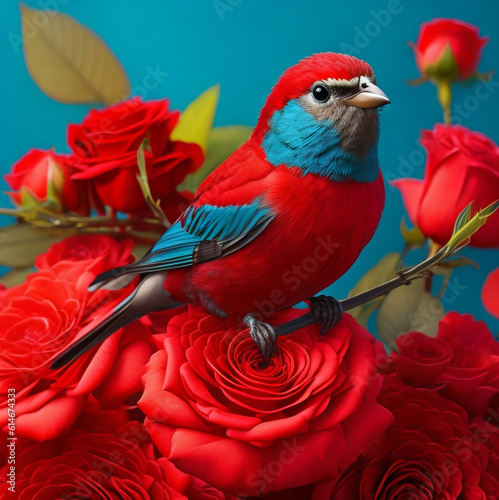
{"points": [[280, 220]]}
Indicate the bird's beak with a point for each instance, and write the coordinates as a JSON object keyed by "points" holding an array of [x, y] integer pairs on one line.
{"points": [[368, 96]]}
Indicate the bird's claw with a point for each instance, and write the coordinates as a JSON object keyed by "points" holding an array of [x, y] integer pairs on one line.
{"points": [[327, 312], [262, 333]]}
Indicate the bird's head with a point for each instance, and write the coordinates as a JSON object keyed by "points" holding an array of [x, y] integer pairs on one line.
{"points": [[326, 101]]}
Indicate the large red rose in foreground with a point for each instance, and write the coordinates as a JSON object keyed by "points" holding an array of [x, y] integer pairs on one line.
{"points": [[104, 456], [42, 317], [218, 414], [39, 171], [105, 149], [462, 362], [465, 166], [429, 452], [449, 49]]}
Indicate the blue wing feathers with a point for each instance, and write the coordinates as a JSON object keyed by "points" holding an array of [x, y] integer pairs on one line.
{"points": [[209, 222], [231, 227]]}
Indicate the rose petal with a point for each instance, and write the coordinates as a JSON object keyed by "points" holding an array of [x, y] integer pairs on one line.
{"points": [[411, 190], [51, 420]]}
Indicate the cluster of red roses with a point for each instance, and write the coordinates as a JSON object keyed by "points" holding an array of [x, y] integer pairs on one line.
{"points": [[178, 405], [102, 168], [443, 394], [219, 418]]}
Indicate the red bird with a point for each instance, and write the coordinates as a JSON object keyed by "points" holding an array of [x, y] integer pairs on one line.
{"points": [[280, 220]]}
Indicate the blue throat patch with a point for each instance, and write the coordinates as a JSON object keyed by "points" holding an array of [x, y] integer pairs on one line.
{"points": [[297, 139]]}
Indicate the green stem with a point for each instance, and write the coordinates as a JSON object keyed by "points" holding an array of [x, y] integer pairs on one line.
{"points": [[422, 270], [407, 248], [445, 98], [14, 212], [435, 247]]}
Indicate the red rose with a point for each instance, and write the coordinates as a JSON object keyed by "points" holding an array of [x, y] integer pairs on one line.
{"points": [[102, 250], [40, 318], [486, 432], [465, 166], [420, 359], [216, 413], [448, 49], [490, 293], [104, 456], [105, 147], [429, 452], [37, 169], [462, 362]]}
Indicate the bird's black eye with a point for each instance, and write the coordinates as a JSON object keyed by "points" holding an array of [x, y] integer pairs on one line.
{"points": [[320, 93]]}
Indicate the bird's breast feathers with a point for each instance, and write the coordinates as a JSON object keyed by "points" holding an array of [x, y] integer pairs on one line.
{"points": [[297, 139]]}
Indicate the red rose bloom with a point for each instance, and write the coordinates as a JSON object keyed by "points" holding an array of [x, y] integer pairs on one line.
{"points": [[448, 48], [105, 148], [103, 251], [429, 452], [462, 362], [105, 456], [465, 166], [40, 318], [490, 293], [421, 359], [35, 170], [216, 413]]}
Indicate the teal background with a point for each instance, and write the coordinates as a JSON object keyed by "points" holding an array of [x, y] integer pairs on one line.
{"points": [[245, 45]]}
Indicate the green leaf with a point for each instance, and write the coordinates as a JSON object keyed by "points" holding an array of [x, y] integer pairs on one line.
{"points": [[478, 77], [445, 67], [68, 61], [417, 81], [20, 244], [462, 218], [222, 142], [196, 121], [383, 271], [409, 308], [29, 200], [143, 180], [454, 263], [413, 237], [16, 276], [463, 231], [141, 163]]}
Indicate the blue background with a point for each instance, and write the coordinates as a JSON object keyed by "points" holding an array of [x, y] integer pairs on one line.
{"points": [[245, 45]]}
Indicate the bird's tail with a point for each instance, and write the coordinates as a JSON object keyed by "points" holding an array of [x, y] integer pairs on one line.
{"points": [[149, 296]]}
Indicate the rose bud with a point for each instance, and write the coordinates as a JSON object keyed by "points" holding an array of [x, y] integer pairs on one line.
{"points": [[448, 48], [44, 173]]}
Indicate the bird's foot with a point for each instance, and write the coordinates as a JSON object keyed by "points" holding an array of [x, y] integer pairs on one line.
{"points": [[262, 333], [327, 312]]}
